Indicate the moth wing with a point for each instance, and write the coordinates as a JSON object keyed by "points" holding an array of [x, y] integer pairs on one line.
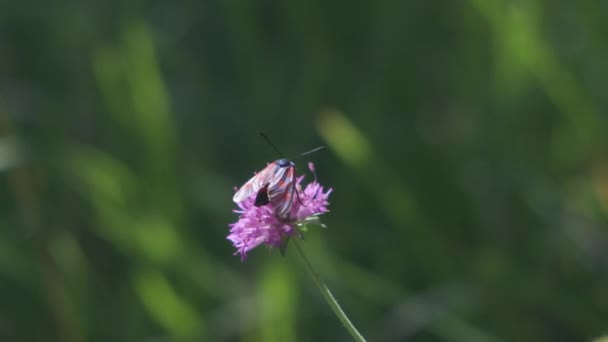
{"points": [[255, 184], [262, 197], [281, 192]]}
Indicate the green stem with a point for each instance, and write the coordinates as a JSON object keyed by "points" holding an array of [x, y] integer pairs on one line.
{"points": [[328, 296]]}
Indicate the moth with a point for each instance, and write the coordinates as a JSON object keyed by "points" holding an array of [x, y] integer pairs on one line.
{"points": [[275, 184]]}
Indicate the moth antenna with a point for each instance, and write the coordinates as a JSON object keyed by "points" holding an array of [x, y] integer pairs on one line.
{"points": [[271, 144], [311, 151]]}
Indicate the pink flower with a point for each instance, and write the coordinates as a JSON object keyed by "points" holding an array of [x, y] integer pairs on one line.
{"points": [[261, 225]]}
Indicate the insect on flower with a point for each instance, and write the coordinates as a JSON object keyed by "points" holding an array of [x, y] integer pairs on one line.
{"points": [[275, 184], [260, 225]]}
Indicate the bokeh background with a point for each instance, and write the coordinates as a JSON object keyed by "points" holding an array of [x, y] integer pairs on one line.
{"points": [[466, 149]]}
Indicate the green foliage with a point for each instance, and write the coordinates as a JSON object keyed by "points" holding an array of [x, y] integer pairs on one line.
{"points": [[466, 148]]}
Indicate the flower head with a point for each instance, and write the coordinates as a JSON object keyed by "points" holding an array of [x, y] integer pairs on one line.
{"points": [[261, 225]]}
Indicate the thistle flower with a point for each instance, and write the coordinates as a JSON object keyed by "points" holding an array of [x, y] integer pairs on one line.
{"points": [[261, 225]]}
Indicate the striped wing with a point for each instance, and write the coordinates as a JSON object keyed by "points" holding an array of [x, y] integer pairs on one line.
{"points": [[257, 182], [275, 182], [281, 192]]}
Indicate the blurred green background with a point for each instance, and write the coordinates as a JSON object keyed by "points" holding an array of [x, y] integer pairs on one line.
{"points": [[467, 152]]}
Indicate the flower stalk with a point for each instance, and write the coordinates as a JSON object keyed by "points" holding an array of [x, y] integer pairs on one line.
{"points": [[329, 297]]}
